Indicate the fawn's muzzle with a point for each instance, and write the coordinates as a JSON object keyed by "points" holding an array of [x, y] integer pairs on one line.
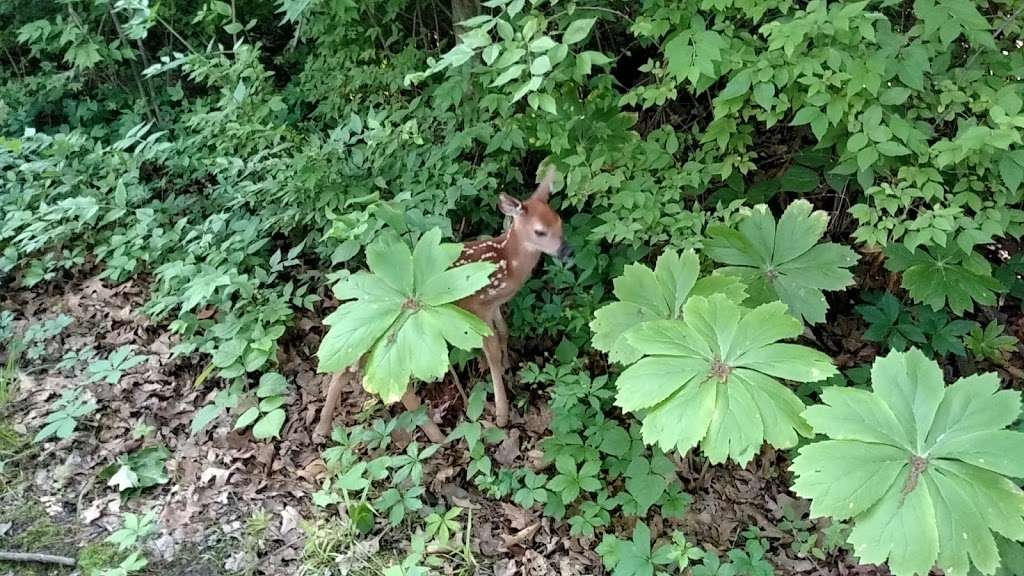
{"points": [[564, 252]]}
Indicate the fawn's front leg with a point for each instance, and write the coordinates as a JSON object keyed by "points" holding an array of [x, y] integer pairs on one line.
{"points": [[501, 331], [492, 352]]}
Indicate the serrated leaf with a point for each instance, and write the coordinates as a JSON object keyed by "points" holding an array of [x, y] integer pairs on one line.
{"points": [[920, 468], [455, 284], [711, 378], [783, 258], [354, 328], [392, 262]]}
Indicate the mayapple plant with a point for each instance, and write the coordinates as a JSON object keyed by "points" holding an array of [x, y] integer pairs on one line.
{"points": [[923, 470], [401, 315]]}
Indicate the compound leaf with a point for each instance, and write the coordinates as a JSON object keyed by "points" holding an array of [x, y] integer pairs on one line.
{"points": [[646, 295], [710, 378], [944, 277], [401, 317], [783, 259], [918, 467]]}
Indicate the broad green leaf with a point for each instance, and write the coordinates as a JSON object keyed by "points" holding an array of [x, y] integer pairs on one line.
{"points": [[455, 284], [900, 529], [710, 378], [271, 384], [920, 468], [971, 405], [911, 386], [847, 476], [389, 365], [429, 360], [431, 258], [392, 262], [402, 319], [459, 328], [944, 277], [682, 421], [852, 414], [643, 384], [784, 258], [647, 295], [354, 328], [578, 30], [247, 418], [269, 425]]}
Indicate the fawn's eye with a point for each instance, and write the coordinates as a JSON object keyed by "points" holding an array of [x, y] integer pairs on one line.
{"points": [[540, 233]]}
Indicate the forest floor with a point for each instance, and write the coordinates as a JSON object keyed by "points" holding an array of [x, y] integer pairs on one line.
{"points": [[234, 505]]}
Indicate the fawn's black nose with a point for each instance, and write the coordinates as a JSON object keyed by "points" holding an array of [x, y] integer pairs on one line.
{"points": [[564, 252]]}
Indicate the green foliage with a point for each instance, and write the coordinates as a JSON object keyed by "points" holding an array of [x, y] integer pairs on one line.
{"points": [[990, 342], [134, 530], [890, 323], [634, 557], [403, 314], [441, 525], [133, 473], [267, 417], [113, 367], [918, 467], [944, 277], [645, 295], [712, 378], [571, 480], [225, 157], [783, 260], [222, 400], [37, 335], [72, 406]]}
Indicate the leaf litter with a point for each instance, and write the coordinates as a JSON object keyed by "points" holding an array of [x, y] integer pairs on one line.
{"points": [[221, 478]]}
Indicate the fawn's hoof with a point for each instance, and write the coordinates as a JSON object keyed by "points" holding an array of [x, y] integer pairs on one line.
{"points": [[320, 436]]}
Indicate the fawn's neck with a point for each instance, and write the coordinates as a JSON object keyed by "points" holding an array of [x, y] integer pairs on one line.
{"points": [[521, 258]]}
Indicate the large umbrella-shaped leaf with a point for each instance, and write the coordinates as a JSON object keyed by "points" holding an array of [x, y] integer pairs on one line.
{"points": [[403, 314], [921, 469], [644, 295], [713, 378], [783, 260]]}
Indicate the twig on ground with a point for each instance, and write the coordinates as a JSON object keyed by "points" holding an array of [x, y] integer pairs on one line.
{"points": [[34, 557]]}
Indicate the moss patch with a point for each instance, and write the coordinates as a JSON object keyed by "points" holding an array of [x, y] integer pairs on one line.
{"points": [[31, 530], [98, 556]]}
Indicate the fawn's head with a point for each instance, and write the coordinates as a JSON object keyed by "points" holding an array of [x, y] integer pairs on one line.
{"points": [[535, 223]]}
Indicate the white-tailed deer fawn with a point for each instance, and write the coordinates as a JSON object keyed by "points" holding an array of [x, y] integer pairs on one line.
{"points": [[536, 230]]}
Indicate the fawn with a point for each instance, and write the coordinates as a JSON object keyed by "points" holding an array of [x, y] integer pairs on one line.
{"points": [[536, 230]]}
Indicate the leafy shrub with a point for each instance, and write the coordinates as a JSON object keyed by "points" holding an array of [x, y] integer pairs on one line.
{"points": [[920, 468]]}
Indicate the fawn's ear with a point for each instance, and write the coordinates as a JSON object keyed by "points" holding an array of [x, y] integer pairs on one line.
{"points": [[509, 205], [543, 191]]}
